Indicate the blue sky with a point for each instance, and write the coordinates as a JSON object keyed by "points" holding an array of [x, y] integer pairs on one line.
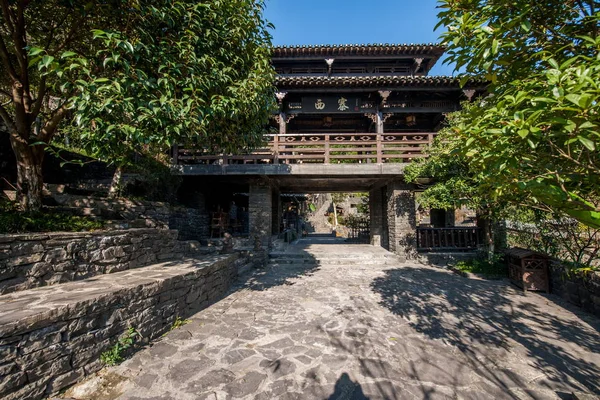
{"points": [[353, 22]]}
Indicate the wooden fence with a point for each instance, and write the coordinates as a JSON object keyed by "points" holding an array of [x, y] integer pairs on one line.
{"points": [[449, 239], [320, 148]]}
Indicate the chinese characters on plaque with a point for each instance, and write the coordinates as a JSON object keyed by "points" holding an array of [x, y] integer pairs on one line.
{"points": [[325, 103]]}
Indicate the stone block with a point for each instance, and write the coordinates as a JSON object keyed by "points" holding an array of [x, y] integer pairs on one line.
{"points": [[60, 277], [64, 380], [51, 368], [89, 354], [12, 382], [65, 266], [116, 268], [23, 260], [26, 248], [8, 352], [42, 338], [7, 273], [7, 368], [56, 255], [31, 391], [39, 269]]}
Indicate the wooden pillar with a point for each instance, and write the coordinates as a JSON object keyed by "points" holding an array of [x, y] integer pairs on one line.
{"points": [[379, 138], [282, 123]]}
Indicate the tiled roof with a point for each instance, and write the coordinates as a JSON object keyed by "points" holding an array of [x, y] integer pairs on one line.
{"points": [[291, 82], [381, 49]]}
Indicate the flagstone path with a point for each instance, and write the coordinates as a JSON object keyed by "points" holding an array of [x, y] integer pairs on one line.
{"points": [[337, 321]]}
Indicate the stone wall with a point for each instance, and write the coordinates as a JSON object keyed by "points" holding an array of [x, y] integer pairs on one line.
{"points": [[582, 290], [32, 260], [192, 223], [52, 337]]}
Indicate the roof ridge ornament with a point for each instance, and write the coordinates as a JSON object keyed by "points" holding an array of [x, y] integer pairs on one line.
{"points": [[469, 93], [329, 62]]}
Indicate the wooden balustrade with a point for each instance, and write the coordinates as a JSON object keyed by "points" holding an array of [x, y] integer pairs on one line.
{"points": [[320, 148], [451, 239]]}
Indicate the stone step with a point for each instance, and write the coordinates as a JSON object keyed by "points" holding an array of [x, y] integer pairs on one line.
{"points": [[292, 257], [279, 263]]}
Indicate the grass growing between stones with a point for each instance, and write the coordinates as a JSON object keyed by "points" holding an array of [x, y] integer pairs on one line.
{"points": [[115, 355], [179, 322]]}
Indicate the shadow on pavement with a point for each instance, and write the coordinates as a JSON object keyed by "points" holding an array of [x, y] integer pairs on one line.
{"points": [[347, 389], [483, 319]]}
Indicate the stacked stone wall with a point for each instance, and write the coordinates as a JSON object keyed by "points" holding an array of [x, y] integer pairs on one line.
{"points": [[32, 260], [260, 210], [193, 223], [43, 351], [401, 220], [581, 289]]}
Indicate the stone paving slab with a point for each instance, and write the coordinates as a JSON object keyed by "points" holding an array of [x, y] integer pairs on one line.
{"points": [[351, 331]]}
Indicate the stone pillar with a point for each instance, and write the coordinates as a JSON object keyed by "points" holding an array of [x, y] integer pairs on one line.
{"points": [[260, 210], [402, 220], [450, 218], [376, 216], [277, 211]]}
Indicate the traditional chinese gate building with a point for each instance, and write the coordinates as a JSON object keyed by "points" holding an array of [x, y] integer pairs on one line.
{"points": [[350, 118]]}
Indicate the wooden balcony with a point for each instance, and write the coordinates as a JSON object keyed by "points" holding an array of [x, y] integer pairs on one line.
{"points": [[319, 148], [448, 239]]}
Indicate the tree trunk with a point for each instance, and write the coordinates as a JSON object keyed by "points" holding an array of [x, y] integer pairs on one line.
{"points": [[30, 180], [115, 184]]}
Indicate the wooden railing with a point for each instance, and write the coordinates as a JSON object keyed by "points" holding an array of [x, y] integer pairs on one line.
{"points": [[320, 148], [449, 239]]}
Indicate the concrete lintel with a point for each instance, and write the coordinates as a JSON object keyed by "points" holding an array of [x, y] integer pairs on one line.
{"points": [[322, 170]]}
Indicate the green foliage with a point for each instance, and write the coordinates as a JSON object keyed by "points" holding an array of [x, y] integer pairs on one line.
{"points": [[534, 141], [12, 220], [190, 72], [356, 221], [115, 355], [330, 218], [155, 183], [485, 266], [135, 75], [566, 239]]}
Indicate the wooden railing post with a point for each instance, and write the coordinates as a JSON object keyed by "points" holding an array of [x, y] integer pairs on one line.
{"points": [[327, 148], [275, 149]]}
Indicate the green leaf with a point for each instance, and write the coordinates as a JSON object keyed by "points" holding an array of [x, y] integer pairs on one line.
{"points": [[523, 133], [46, 61], [34, 51], [589, 144], [526, 26]]}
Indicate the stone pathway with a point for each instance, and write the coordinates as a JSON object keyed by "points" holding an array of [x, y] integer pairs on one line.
{"points": [[334, 321]]}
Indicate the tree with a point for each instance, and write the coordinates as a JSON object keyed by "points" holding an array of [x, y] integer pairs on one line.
{"points": [[134, 74], [33, 104], [533, 141]]}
